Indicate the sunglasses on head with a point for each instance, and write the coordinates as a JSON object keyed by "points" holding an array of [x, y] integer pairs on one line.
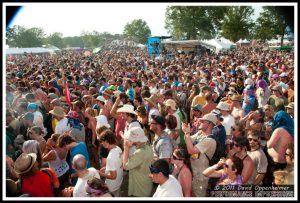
{"points": [[290, 155], [175, 158], [250, 139], [154, 170]]}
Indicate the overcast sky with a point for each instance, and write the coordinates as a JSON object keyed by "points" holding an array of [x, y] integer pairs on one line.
{"points": [[72, 18]]}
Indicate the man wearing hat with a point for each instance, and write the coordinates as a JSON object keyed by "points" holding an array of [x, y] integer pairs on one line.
{"points": [[38, 117], [277, 100], [170, 105], [62, 124], [237, 110], [162, 144], [197, 113], [168, 186], [35, 182], [138, 162], [129, 115], [290, 109], [197, 145], [228, 120], [151, 106]]}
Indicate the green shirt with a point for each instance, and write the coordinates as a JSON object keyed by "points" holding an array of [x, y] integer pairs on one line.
{"points": [[140, 184]]}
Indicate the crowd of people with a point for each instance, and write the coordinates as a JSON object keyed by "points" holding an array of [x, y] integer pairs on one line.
{"points": [[89, 125]]}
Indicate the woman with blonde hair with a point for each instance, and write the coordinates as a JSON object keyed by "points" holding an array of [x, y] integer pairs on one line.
{"points": [[90, 135]]}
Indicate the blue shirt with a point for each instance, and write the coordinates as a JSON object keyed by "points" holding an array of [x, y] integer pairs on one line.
{"points": [[130, 93], [247, 107], [103, 87], [79, 149]]}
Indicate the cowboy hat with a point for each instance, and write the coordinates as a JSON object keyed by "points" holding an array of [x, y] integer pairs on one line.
{"points": [[24, 163], [58, 111], [152, 99], [127, 108], [135, 134]]}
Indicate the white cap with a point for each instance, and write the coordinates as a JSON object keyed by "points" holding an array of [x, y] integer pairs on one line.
{"points": [[102, 121], [283, 74], [100, 98], [136, 134], [223, 106]]}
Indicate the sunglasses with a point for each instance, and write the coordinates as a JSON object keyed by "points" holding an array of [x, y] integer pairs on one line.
{"points": [[250, 139], [233, 129], [290, 155], [154, 170], [175, 158]]}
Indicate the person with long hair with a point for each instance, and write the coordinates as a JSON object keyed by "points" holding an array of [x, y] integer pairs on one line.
{"points": [[230, 174], [93, 146], [183, 170]]}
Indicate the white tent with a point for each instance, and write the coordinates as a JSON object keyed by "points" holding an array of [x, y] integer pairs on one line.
{"points": [[33, 50], [218, 44]]}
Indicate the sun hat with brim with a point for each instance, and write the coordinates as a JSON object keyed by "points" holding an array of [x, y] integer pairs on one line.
{"points": [[236, 97], [152, 99], [209, 117], [58, 111], [135, 134], [100, 98], [24, 163], [223, 106], [127, 108], [171, 103], [102, 121], [290, 105], [56, 102], [277, 88]]}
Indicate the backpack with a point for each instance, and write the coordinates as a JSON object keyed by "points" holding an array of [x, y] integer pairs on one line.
{"points": [[218, 154], [20, 182]]}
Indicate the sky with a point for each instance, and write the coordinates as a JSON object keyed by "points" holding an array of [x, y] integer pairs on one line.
{"points": [[72, 18]]}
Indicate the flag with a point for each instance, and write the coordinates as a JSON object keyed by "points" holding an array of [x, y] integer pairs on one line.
{"points": [[67, 95]]}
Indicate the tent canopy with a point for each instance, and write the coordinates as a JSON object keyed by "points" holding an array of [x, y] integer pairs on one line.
{"points": [[34, 50]]}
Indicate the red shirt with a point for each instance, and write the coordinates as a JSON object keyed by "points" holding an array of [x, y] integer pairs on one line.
{"points": [[39, 185]]}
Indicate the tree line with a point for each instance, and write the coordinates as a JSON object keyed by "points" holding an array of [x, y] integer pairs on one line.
{"points": [[181, 22]]}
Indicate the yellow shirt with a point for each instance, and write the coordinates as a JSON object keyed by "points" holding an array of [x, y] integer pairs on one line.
{"points": [[198, 100], [54, 122]]}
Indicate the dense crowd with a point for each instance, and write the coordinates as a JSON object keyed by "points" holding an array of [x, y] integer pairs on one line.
{"points": [[89, 125]]}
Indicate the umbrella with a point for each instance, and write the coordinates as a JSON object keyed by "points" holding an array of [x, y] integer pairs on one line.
{"points": [[87, 53], [96, 50]]}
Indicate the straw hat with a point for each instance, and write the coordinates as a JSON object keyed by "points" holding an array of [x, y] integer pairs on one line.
{"points": [[24, 163], [209, 117], [127, 108], [152, 99], [135, 134], [290, 105], [171, 103], [58, 111], [236, 97], [223, 106]]}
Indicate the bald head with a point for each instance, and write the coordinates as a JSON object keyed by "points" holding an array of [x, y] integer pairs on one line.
{"points": [[79, 162]]}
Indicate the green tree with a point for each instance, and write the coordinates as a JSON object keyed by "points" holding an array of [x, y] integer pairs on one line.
{"points": [[237, 23], [73, 41], [18, 36], [271, 23], [194, 22], [137, 30], [56, 39]]}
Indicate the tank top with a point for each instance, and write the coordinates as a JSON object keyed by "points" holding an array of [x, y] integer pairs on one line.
{"points": [[60, 167]]}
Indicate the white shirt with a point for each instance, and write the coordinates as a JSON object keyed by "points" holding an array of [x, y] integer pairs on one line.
{"points": [[171, 188], [228, 122], [114, 163], [79, 189], [62, 126]]}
